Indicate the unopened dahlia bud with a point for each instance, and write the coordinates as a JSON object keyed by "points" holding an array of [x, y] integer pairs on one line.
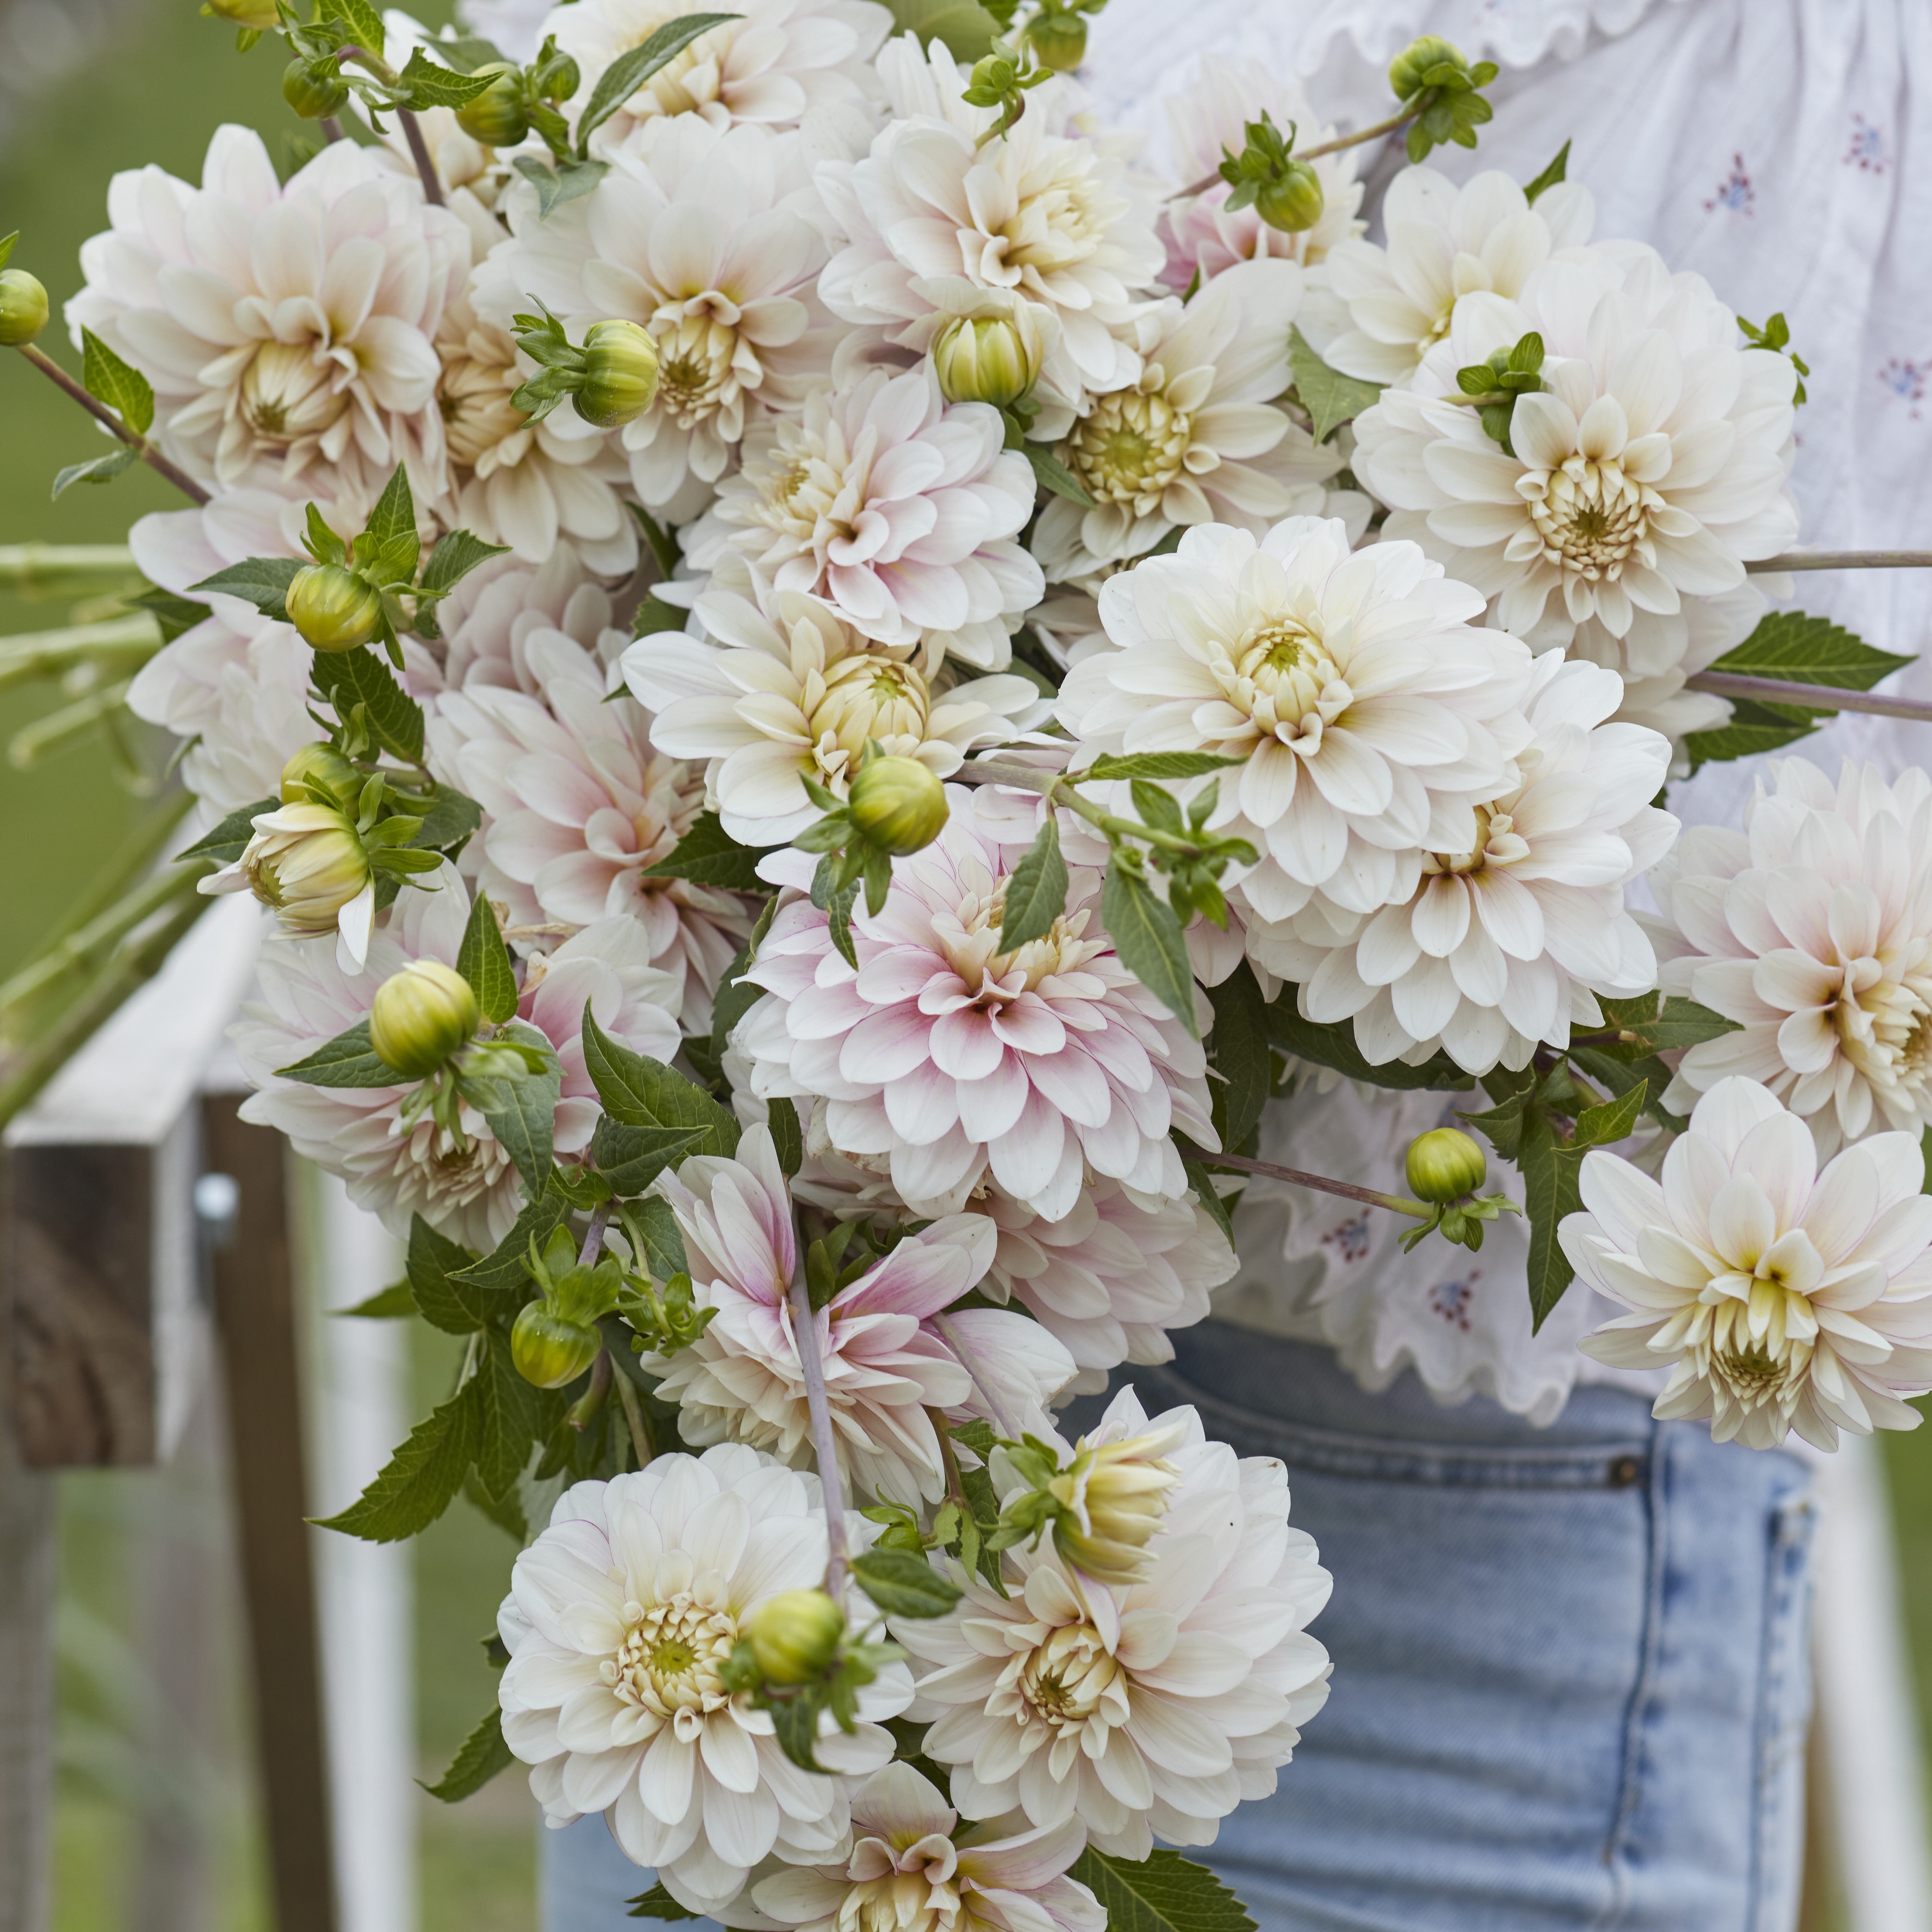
{"points": [[496, 117], [1444, 1165], [548, 1350], [1112, 1501], [898, 804], [307, 861], [23, 308], [620, 373], [421, 1017], [1406, 70], [314, 89], [1058, 40], [992, 359], [333, 608], [1294, 201], [319, 764], [259, 17], [795, 1635]]}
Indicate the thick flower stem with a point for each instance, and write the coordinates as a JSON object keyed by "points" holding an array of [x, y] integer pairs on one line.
{"points": [[824, 1445], [419, 152], [1820, 697], [1843, 559], [988, 1388], [1400, 119], [1396, 1204], [48, 654], [593, 1240], [102, 414], [583, 1412], [95, 940], [1058, 788], [641, 1446], [50, 570], [955, 1489]]}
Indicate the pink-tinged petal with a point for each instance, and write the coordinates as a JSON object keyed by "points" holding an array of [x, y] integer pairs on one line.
{"points": [[886, 1046], [1030, 1025], [964, 1045]]}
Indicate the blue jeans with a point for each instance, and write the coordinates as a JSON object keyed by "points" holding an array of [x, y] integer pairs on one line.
{"points": [[1570, 1687]]}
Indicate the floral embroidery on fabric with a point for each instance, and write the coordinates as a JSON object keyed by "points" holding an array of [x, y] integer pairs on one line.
{"points": [[1350, 1240], [1867, 148], [1736, 191], [1905, 379], [1451, 1299]]}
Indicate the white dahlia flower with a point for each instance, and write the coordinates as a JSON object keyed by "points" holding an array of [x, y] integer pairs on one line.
{"points": [[1143, 1711], [1812, 928], [912, 1869], [900, 510], [1048, 214], [1208, 120], [619, 1616], [704, 239], [284, 328], [885, 1362], [1649, 469], [952, 1062], [466, 1189], [1503, 945], [1197, 440], [1781, 1298], [488, 619], [1444, 242], [772, 64], [1371, 716], [797, 695], [577, 804]]}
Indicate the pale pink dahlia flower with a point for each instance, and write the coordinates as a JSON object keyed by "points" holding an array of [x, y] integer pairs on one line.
{"points": [[950, 1063], [1780, 1297], [619, 1616], [1146, 1710]]}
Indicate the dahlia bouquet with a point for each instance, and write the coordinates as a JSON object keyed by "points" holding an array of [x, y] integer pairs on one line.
{"points": [[842, 693]]}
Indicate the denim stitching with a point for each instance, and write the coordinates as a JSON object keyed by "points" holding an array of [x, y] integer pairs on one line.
{"points": [[1787, 1572]]}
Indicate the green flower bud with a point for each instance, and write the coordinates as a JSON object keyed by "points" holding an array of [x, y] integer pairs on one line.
{"points": [[1406, 70], [333, 608], [794, 1635], [421, 1016], [23, 308], [1112, 1501], [898, 804], [1059, 41], [549, 1350], [315, 90], [323, 765], [496, 117], [1444, 1165], [620, 373], [1294, 201], [307, 861], [992, 359], [259, 17]]}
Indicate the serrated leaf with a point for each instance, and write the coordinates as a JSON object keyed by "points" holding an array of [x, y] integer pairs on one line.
{"points": [[637, 1091], [363, 23], [1609, 1121], [630, 1158], [707, 855], [557, 185], [1659, 1025], [433, 1270], [421, 1480], [432, 86], [966, 28], [1329, 397], [788, 1137], [1163, 1893], [1050, 474], [1148, 936], [456, 554], [386, 1304], [505, 1511], [175, 616], [346, 679], [654, 615], [902, 1585], [453, 818], [228, 840], [95, 469], [1619, 1076], [1036, 890], [659, 1903], [389, 547], [1238, 1051], [347, 1060], [119, 384], [478, 1759], [795, 1722], [525, 1125], [510, 1418], [1202, 1182], [1154, 765], [629, 71], [1503, 1124], [262, 581], [1550, 1169], [1334, 1047], [483, 961], [660, 1239], [1555, 171], [507, 1265]]}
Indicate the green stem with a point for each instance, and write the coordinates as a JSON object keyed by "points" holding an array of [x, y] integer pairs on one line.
{"points": [[32, 742], [1396, 1204], [102, 414], [1400, 119], [1057, 788], [1843, 559], [46, 570], [634, 1419], [29, 655], [432, 188], [1819, 696]]}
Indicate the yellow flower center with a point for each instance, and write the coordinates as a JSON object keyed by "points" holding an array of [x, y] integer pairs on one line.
{"points": [[671, 1656], [473, 396], [697, 372], [1129, 448], [973, 948], [860, 697], [1064, 1680], [1498, 843], [287, 395], [1591, 516]]}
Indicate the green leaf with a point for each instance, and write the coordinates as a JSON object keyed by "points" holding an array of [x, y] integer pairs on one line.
{"points": [[708, 855], [442, 1296], [1164, 1893], [655, 615], [1555, 171], [7, 246], [1035, 891], [1334, 1047], [1609, 1121], [1550, 1169], [1157, 809], [526, 1124], [1619, 1076], [507, 1265], [629, 71], [1154, 765], [1202, 1182], [363, 23], [788, 1137], [967, 28], [1659, 1025], [120, 386], [478, 1759], [659, 1903], [484, 960], [637, 1091], [1504, 1123], [1148, 936], [386, 1304], [460, 552], [659, 1239], [347, 1060], [229, 839], [95, 469], [1329, 397], [511, 1416], [262, 581], [430, 85], [451, 820], [346, 679], [1050, 473], [902, 1585], [421, 1480], [630, 1158], [1237, 1050], [175, 615], [564, 182], [387, 550]]}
